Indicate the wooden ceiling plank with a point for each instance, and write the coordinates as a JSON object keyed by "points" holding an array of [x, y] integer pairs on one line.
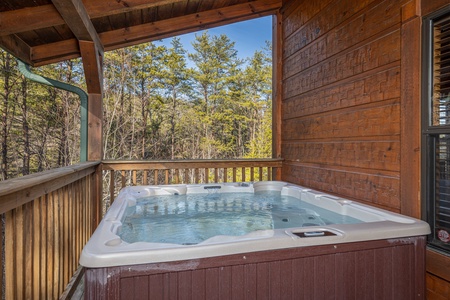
{"points": [[103, 8], [30, 18], [43, 16], [193, 22], [16, 47], [76, 17]]}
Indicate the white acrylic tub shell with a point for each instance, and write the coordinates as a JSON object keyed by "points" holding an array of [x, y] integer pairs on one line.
{"points": [[105, 248]]}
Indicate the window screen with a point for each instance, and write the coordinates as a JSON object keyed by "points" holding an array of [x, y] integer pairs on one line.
{"points": [[441, 72], [436, 127], [442, 191]]}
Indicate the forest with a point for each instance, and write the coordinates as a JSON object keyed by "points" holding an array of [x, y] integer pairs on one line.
{"points": [[159, 102]]}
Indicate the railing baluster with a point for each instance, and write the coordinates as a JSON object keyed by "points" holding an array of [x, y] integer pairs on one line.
{"points": [[37, 233], [144, 178], [260, 173], [133, 176], [10, 267], [206, 175], [225, 174], [112, 186], [252, 174], [234, 175], [177, 176], [243, 174], [216, 175], [123, 179], [167, 176]]}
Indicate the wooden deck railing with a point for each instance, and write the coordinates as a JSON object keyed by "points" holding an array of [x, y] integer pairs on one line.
{"points": [[46, 220], [119, 174]]}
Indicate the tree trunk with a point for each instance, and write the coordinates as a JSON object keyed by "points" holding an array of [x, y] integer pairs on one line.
{"points": [[25, 129], [5, 114]]}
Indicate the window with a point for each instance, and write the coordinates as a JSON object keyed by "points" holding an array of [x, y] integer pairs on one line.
{"points": [[436, 127]]}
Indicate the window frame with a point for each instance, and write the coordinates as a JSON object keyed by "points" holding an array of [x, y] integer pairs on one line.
{"points": [[430, 133]]}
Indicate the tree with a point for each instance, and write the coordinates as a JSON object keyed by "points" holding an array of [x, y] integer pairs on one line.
{"points": [[7, 91], [175, 83], [216, 61], [258, 94], [159, 103]]}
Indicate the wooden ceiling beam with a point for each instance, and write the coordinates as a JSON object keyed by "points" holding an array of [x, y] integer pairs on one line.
{"points": [[16, 47], [170, 34], [189, 23], [75, 15], [54, 52], [68, 49]]}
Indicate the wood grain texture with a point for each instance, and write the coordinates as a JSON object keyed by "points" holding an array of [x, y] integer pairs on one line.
{"points": [[410, 176], [368, 270], [341, 108], [432, 6], [353, 183], [43, 241], [362, 58]]}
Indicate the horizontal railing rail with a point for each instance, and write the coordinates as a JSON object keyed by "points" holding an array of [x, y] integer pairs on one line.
{"points": [[47, 218], [118, 174]]}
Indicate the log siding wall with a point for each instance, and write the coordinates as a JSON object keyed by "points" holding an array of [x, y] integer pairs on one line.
{"points": [[351, 105], [341, 103]]}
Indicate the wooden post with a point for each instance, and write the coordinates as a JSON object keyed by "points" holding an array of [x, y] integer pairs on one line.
{"points": [[277, 77], [410, 110], [92, 64], [92, 58]]}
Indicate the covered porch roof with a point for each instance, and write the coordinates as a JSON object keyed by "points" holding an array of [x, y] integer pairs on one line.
{"points": [[40, 32]]}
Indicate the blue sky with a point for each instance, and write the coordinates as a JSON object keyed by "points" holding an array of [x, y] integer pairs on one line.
{"points": [[249, 36]]}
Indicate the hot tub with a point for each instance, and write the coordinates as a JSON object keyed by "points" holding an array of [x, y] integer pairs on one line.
{"points": [[330, 248]]}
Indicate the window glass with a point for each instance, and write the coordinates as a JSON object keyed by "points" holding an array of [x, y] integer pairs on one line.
{"points": [[442, 191], [436, 127]]}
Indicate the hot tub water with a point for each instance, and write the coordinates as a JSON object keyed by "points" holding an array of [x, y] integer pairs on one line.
{"points": [[193, 218]]}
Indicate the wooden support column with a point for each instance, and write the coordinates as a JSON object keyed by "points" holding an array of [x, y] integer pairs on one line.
{"points": [[410, 110], [93, 71], [277, 79], [92, 63]]}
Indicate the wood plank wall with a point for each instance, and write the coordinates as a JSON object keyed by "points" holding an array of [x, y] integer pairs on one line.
{"points": [[341, 108], [351, 105]]}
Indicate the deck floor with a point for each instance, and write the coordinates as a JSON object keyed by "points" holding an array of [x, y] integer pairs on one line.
{"points": [[79, 291], [75, 288]]}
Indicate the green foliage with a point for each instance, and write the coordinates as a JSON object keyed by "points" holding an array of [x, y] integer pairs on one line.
{"points": [[40, 125], [160, 102]]}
